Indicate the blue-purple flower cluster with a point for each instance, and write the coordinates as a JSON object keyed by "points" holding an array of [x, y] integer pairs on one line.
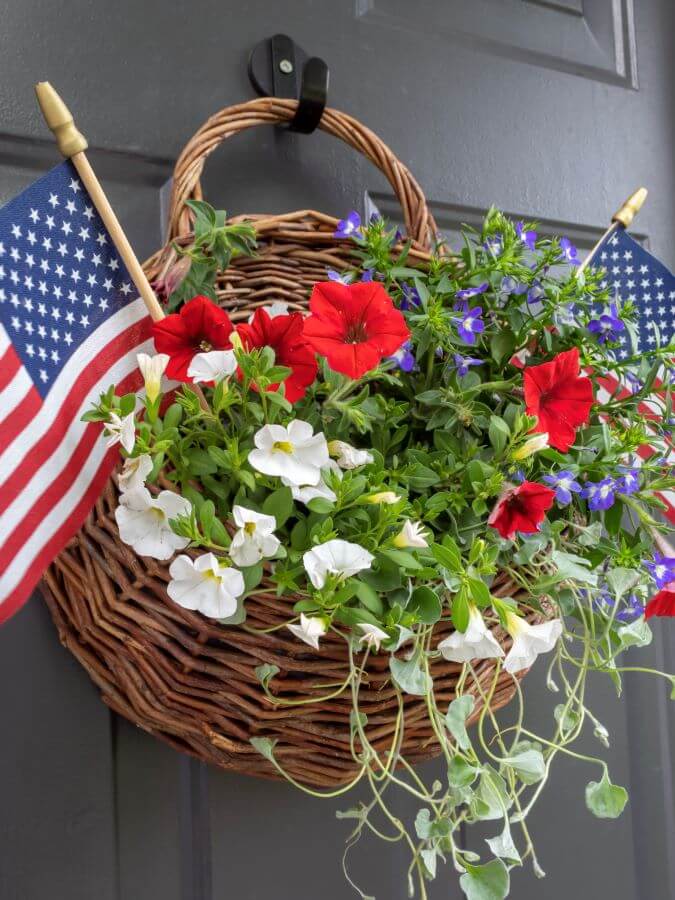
{"points": [[601, 495]]}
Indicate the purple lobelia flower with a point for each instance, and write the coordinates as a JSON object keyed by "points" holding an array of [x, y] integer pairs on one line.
{"points": [[536, 292], [526, 235], [564, 485], [341, 277], [600, 494], [608, 327], [375, 217], [463, 363], [566, 314], [628, 481], [398, 236], [568, 252], [509, 285], [631, 609], [410, 298], [368, 275], [494, 244], [404, 357], [470, 324], [465, 293], [661, 568], [349, 227]]}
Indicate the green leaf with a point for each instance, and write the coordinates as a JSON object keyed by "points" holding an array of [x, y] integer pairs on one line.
{"points": [[370, 598], [637, 634], [529, 765], [455, 719], [263, 745], [604, 799], [280, 505], [499, 433], [265, 673], [488, 882], [409, 676], [492, 799], [321, 505], [425, 604], [460, 611], [252, 575], [447, 555], [502, 344], [573, 567], [621, 580], [402, 558], [504, 847], [460, 773]]}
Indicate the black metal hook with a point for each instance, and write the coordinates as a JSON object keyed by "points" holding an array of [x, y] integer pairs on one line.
{"points": [[273, 70]]}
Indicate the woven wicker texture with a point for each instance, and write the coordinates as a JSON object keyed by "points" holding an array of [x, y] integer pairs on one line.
{"points": [[189, 680]]}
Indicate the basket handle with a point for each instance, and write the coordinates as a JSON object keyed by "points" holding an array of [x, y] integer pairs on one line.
{"points": [[272, 111]]}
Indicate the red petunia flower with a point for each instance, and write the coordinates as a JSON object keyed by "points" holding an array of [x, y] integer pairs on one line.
{"points": [[199, 327], [663, 603], [354, 326], [559, 397], [284, 335], [521, 509]]}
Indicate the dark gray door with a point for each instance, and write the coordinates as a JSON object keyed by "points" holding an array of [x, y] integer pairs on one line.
{"points": [[550, 109]]}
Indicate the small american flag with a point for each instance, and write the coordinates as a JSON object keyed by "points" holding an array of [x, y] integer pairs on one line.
{"points": [[70, 326], [634, 275]]}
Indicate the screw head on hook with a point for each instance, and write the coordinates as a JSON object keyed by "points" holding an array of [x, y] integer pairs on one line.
{"points": [[285, 66]]}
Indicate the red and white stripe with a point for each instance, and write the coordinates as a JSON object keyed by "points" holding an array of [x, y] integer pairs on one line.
{"points": [[53, 466], [610, 386]]}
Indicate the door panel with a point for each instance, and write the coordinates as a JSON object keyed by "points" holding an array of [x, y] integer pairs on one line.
{"points": [[550, 109]]}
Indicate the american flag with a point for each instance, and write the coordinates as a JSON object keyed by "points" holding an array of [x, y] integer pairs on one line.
{"points": [[634, 275], [70, 326]]}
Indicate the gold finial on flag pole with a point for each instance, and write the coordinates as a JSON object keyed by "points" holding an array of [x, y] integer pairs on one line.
{"points": [[630, 208], [622, 218], [72, 145]]}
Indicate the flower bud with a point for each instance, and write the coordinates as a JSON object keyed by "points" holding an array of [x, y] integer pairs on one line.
{"points": [[152, 368], [532, 445], [383, 497]]}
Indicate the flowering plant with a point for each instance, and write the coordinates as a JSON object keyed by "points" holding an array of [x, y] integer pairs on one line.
{"points": [[384, 459]]}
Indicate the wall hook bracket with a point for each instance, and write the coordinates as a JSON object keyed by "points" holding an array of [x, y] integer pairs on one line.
{"points": [[273, 68]]}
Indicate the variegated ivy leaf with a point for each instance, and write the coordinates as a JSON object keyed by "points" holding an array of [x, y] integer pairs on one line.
{"points": [[504, 847], [604, 799], [455, 719], [409, 676], [488, 882]]}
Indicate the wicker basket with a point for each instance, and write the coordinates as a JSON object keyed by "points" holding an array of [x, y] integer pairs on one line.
{"points": [[187, 679]]}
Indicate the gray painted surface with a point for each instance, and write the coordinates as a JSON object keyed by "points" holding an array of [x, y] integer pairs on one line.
{"points": [[532, 105]]}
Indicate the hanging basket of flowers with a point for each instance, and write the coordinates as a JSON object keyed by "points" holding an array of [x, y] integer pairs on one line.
{"points": [[390, 476]]}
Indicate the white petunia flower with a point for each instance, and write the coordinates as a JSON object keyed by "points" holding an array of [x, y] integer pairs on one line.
{"points": [[255, 537], [349, 457], [136, 470], [143, 522], [278, 308], [203, 584], [529, 641], [305, 493], [477, 642], [411, 535], [293, 452], [310, 629], [152, 368], [336, 557], [121, 431], [212, 366], [372, 635]]}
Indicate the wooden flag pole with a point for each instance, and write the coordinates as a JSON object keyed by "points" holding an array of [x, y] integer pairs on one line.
{"points": [[622, 218], [72, 145]]}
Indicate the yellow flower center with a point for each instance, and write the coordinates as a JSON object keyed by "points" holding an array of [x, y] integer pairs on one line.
{"points": [[283, 446], [249, 528]]}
